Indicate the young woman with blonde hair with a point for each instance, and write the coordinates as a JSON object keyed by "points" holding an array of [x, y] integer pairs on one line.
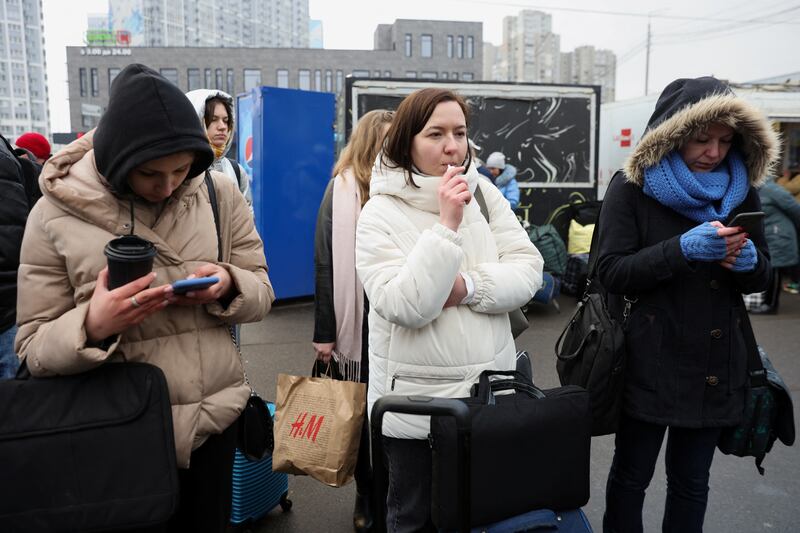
{"points": [[340, 315]]}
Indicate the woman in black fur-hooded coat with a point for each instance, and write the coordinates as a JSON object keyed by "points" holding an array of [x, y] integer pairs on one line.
{"points": [[663, 244]]}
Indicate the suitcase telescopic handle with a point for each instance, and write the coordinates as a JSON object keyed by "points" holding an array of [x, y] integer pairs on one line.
{"points": [[429, 406]]}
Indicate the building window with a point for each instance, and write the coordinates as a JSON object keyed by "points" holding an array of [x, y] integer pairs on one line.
{"points": [[470, 47], [208, 78], [376, 74], [361, 74], [387, 73], [112, 75], [193, 78], [339, 81], [450, 46], [460, 47], [282, 78], [304, 79], [218, 79], [230, 86], [95, 82], [408, 45], [428, 75], [329, 81], [171, 74], [252, 79], [444, 75], [426, 46], [455, 75], [411, 74], [317, 80], [467, 76]]}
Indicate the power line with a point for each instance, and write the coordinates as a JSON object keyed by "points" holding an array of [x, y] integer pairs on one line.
{"points": [[615, 13]]}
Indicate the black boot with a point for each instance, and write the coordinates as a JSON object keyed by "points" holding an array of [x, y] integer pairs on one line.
{"points": [[362, 513]]}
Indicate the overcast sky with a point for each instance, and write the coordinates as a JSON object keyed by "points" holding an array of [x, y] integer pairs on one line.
{"points": [[740, 40]]}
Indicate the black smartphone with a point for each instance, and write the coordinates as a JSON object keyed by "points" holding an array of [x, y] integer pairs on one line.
{"points": [[749, 222]]}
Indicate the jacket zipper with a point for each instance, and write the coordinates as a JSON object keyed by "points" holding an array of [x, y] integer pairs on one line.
{"points": [[423, 377]]}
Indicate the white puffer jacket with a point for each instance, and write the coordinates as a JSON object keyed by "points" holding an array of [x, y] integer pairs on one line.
{"points": [[408, 263]]}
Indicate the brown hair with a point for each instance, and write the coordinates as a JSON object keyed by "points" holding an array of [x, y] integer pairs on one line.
{"points": [[362, 148], [411, 116], [211, 105]]}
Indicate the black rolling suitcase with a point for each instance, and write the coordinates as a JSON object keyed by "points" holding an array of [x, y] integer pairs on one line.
{"points": [[457, 514]]}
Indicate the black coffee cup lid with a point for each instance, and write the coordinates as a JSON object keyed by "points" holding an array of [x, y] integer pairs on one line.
{"points": [[130, 247]]}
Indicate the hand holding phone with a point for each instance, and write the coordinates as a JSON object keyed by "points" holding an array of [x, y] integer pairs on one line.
{"points": [[195, 284], [749, 222]]}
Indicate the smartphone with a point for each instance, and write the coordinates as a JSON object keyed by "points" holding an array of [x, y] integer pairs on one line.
{"points": [[749, 222], [195, 284]]}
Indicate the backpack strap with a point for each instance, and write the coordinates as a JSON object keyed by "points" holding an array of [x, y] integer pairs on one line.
{"points": [[237, 171], [481, 201], [212, 197]]}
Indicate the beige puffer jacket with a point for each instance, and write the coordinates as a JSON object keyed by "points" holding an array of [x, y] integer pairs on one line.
{"points": [[62, 253]]}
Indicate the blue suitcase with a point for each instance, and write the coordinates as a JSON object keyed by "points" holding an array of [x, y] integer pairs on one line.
{"points": [[572, 521], [256, 488]]}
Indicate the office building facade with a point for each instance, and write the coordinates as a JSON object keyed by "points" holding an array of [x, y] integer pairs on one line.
{"points": [[205, 23], [23, 78], [405, 49]]}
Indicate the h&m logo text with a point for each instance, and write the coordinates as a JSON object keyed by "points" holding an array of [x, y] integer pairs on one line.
{"points": [[311, 429]]}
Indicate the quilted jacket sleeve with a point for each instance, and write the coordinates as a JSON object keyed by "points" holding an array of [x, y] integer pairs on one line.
{"points": [[406, 289], [513, 280], [51, 334], [246, 264]]}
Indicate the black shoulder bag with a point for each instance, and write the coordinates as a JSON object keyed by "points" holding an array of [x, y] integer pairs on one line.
{"points": [[93, 451], [255, 424], [590, 351], [768, 413]]}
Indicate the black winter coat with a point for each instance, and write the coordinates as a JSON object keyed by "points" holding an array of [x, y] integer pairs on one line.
{"points": [[687, 361], [324, 317], [13, 215], [686, 355]]}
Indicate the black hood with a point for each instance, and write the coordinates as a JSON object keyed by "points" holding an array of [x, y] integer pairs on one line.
{"points": [[687, 107], [147, 118], [682, 93]]}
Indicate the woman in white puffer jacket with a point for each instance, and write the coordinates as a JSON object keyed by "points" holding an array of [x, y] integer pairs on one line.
{"points": [[440, 281]]}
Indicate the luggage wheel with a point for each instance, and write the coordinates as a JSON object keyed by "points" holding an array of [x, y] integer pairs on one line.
{"points": [[285, 503]]}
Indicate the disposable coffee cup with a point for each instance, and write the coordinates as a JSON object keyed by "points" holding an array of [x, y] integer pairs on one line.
{"points": [[129, 258]]}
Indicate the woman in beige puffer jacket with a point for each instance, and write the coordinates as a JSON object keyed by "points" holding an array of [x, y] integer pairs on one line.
{"points": [[69, 322]]}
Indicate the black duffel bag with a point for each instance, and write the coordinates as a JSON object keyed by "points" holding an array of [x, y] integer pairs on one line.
{"points": [[529, 450], [88, 452]]}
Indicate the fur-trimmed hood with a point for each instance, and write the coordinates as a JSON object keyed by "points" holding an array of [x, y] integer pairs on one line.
{"points": [[685, 108]]}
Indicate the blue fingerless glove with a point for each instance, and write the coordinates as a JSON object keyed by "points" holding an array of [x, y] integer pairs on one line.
{"points": [[747, 260], [702, 243]]}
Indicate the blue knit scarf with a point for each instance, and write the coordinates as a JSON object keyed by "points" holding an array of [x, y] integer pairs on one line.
{"points": [[700, 196]]}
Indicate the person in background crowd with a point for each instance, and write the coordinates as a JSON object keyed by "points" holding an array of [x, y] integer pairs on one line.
{"points": [[215, 110], [791, 184], [13, 214], [340, 310], [440, 280], [503, 175], [142, 171], [36, 144], [663, 245], [781, 226]]}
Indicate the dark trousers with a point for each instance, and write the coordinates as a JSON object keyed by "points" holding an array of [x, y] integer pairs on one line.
{"points": [[688, 460], [363, 473], [204, 504], [408, 501]]}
